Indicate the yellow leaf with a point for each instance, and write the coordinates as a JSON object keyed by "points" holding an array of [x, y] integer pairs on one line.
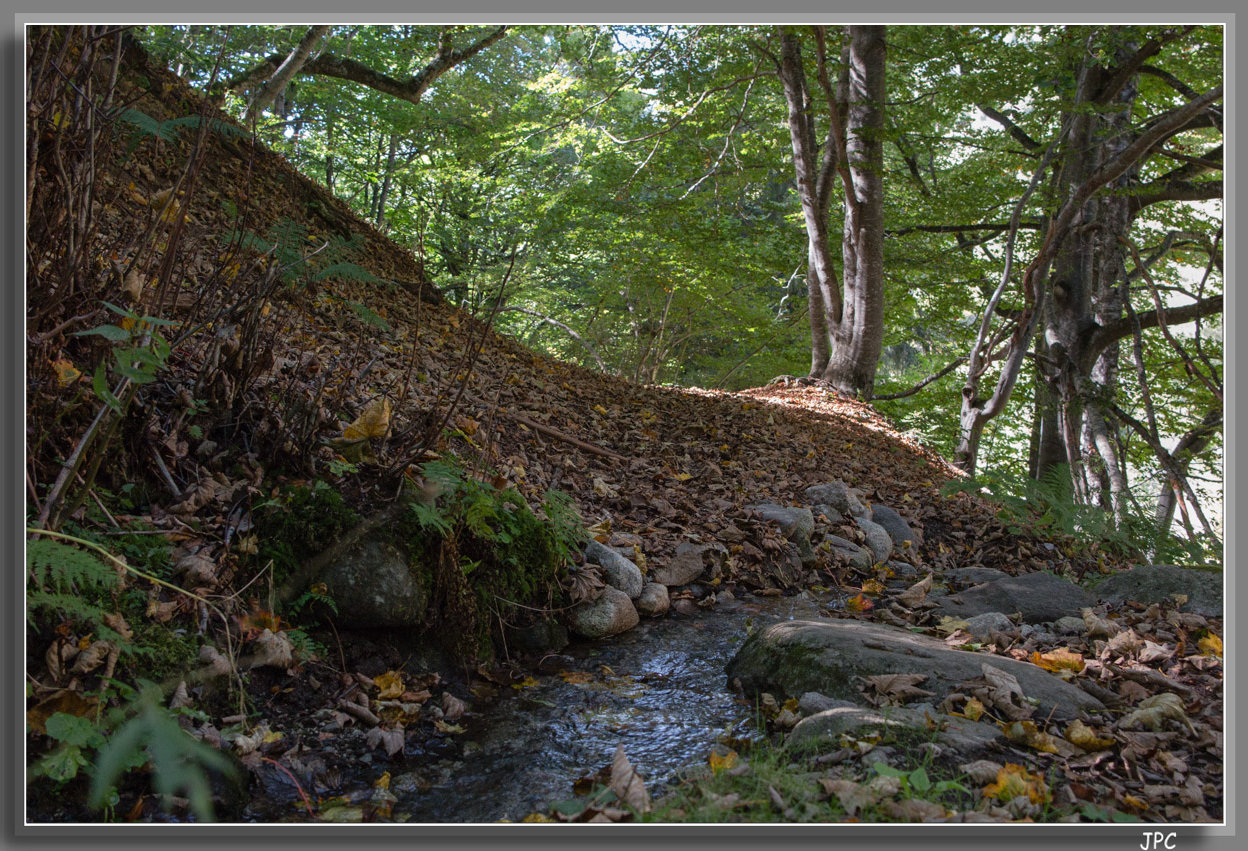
{"points": [[974, 709], [67, 374], [1210, 645], [1013, 781], [1060, 660], [1132, 801], [527, 682], [872, 586], [722, 762], [382, 782], [373, 422], [600, 409], [1085, 737], [537, 818], [858, 604], [391, 685], [443, 727], [682, 477], [272, 736]]}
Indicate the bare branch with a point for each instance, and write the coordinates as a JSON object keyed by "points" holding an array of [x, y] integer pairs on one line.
{"points": [[552, 321], [1013, 129], [935, 376], [287, 70]]}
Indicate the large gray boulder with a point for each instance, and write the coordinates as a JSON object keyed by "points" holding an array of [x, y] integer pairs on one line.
{"points": [[796, 524], [851, 552], [968, 738], [689, 562], [1040, 597], [1155, 583], [894, 524], [619, 572], [837, 495], [878, 541], [791, 658], [610, 614], [374, 585]]}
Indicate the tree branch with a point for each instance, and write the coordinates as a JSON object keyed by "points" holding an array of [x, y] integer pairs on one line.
{"points": [[935, 376], [1119, 328], [298, 57], [1131, 66], [552, 321], [410, 90], [1016, 132]]}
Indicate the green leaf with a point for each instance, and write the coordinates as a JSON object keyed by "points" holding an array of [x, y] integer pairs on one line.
{"points": [[74, 730], [919, 779], [108, 332], [62, 764]]}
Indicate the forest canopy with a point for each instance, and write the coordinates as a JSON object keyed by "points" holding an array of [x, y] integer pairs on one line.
{"points": [[1029, 218]]}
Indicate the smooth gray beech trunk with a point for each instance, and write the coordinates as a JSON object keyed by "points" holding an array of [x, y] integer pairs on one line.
{"points": [[846, 323]]}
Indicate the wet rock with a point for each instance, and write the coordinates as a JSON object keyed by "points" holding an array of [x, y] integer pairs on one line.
{"points": [[653, 600], [982, 626], [1039, 597], [794, 657], [684, 606], [373, 585], [904, 570], [969, 738], [616, 569], [1156, 583], [894, 524], [689, 562], [812, 702], [610, 614], [878, 540]]}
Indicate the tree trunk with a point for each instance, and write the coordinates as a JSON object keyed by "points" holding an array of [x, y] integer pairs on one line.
{"points": [[858, 334], [847, 328]]}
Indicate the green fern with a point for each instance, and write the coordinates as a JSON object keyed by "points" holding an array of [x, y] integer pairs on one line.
{"points": [[57, 567]]}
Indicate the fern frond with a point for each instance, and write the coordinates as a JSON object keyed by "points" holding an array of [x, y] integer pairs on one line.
{"points": [[60, 567]]}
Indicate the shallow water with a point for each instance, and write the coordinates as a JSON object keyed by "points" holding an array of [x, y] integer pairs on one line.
{"points": [[658, 689]]}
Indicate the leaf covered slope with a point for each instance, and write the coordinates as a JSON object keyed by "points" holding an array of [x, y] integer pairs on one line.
{"points": [[354, 321]]}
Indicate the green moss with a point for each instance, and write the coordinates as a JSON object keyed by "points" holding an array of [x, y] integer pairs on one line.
{"points": [[494, 563], [166, 652], [300, 523]]}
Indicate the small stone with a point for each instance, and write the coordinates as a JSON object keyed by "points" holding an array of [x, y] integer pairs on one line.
{"points": [[616, 569], [653, 600], [610, 614], [982, 626]]}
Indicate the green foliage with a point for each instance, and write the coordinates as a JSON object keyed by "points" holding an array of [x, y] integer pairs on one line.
{"points": [[301, 522], [179, 762], [1047, 507], [139, 353], [143, 733], [506, 559], [70, 583]]}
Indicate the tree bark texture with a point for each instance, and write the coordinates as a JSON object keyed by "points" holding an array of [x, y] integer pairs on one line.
{"points": [[846, 323]]}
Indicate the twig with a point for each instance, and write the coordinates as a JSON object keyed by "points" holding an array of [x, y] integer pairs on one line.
{"points": [[551, 431], [293, 779]]}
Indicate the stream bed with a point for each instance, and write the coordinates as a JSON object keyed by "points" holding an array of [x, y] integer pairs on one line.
{"points": [[659, 690]]}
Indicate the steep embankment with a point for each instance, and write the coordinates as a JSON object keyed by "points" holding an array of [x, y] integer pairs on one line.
{"points": [[310, 317]]}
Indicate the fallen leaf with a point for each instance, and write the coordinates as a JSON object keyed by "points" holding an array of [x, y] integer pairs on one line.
{"points": [[373, 422], [66, 372], [1210, 645], [897, 688], [391, 685], [916, 593], [1153, 712], [627, 784], [1013, 781], [1081, 734]]}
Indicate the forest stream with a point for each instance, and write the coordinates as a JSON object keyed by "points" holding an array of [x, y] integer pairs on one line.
{"points": [[658, 689]]}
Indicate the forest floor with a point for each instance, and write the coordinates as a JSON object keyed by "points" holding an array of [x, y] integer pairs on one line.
{"points": [[263, 404]]}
